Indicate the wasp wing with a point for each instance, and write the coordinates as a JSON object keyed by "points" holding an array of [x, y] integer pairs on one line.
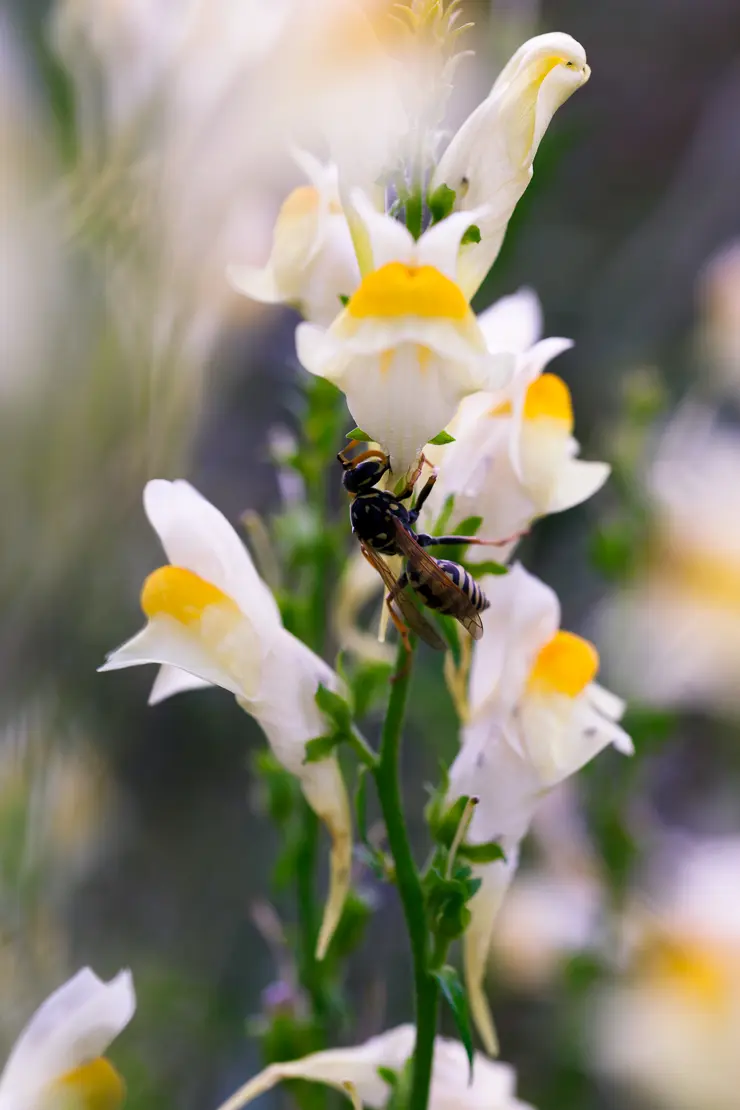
{"points": [[456, 602], [416, 621]]}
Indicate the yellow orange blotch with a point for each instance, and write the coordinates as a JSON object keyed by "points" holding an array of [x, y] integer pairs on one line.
{"points": [[301, 202], [400, 290], [693, 969], [179, 593], [548, 396], [93, 1086], [565, 665]]}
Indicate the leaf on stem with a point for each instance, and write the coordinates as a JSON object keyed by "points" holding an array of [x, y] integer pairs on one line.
{"points": [[336, 708], [442, 438], [321, 747], [359, 435], [441, 202], [454, 995]]}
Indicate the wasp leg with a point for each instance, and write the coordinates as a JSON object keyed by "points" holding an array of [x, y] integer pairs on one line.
{"points": [[428, 487], [425, 540], [369, 454]]}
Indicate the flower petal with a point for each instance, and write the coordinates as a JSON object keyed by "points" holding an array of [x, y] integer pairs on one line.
{"points": [[390, 240], [77, 1023], [513, 323], [197, 536], [577, 482], [171, 680], [165, 641]]}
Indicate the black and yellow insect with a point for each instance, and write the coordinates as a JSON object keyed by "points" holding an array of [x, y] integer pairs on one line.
{"points": [[385, 526]]}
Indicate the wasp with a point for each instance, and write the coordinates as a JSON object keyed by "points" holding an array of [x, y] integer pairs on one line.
{"points": [[384, 525]]}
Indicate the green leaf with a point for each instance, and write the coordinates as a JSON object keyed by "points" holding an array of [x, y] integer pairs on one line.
{"points": [[369, 684], [454, 995], [321, 747], [472, 235], [343, 299], [361, 803], [442, 522], [446, 826], [389, 1076], [335, 708], [479, 570], [359, 435], [469, 526], [442, 438], [482, 853], [441, 202]]}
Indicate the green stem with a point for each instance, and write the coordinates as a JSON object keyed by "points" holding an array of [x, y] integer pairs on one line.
{"points": [[408, 881]]}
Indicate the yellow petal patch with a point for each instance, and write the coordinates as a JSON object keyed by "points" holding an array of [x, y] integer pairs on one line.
{"points": [[301, 202], [400, 290], [94, 1086], [548, 396], [565, 665], [695, 970], [179, 593]]}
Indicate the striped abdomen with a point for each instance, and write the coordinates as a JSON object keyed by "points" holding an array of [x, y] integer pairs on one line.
{"points": [[436, 596]]}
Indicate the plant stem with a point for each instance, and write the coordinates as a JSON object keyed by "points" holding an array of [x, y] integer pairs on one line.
{"points": [[387, 780], [308, 926]]}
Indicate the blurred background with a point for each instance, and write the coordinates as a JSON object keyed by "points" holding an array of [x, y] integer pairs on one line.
{"points": [[140, 152]]}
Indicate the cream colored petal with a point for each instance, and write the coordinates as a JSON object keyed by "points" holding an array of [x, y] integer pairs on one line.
{"points": [[77, 1023], [167, 642], [390, 240], [439, 246], [543, 455], [320, 352], [197, 536], [484, 907], [170, 681], [288, 715], [513, 323], [577, 481], [524, 614], [256, 282], [357, 1065]]}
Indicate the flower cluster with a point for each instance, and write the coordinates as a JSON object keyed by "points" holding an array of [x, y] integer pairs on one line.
{"points": [[381, 252]]}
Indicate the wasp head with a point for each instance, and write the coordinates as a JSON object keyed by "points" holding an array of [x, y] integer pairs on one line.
{"points": [[362, 476]]}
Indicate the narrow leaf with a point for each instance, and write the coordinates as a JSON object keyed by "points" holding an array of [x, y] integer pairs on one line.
{"points": [[359, 435], [441, 438], [472, 235], [454, 994], [321, 747], [469, 526], [335, 708], [361, 803], [482, 853], [441, 202], [479, 570]]}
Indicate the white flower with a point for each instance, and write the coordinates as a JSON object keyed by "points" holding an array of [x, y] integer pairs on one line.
{"points": [[407, 347], [355, 1072], [211, 619], [536, 717], [672, 638], [513, 458], [58, 1059], [312, 262], [489, 160], [669, 1030]]}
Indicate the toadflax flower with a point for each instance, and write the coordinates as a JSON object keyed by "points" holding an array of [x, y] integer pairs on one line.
{"points": [[406, 348], [313, 261], [672, 636], [355, 1071], [513, 458], [489, 160], [57, 1062], [212, 620], [536, 717], [668, 1029]]}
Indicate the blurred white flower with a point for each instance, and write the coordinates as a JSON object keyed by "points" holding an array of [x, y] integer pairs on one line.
{"points": [[513, 458], [670, 1030], [672, 638], [407, 347], [58, 1059], [536, 717], [489, 160], [313, 261], [355, 1070], [211, 620], [719, 327]]}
